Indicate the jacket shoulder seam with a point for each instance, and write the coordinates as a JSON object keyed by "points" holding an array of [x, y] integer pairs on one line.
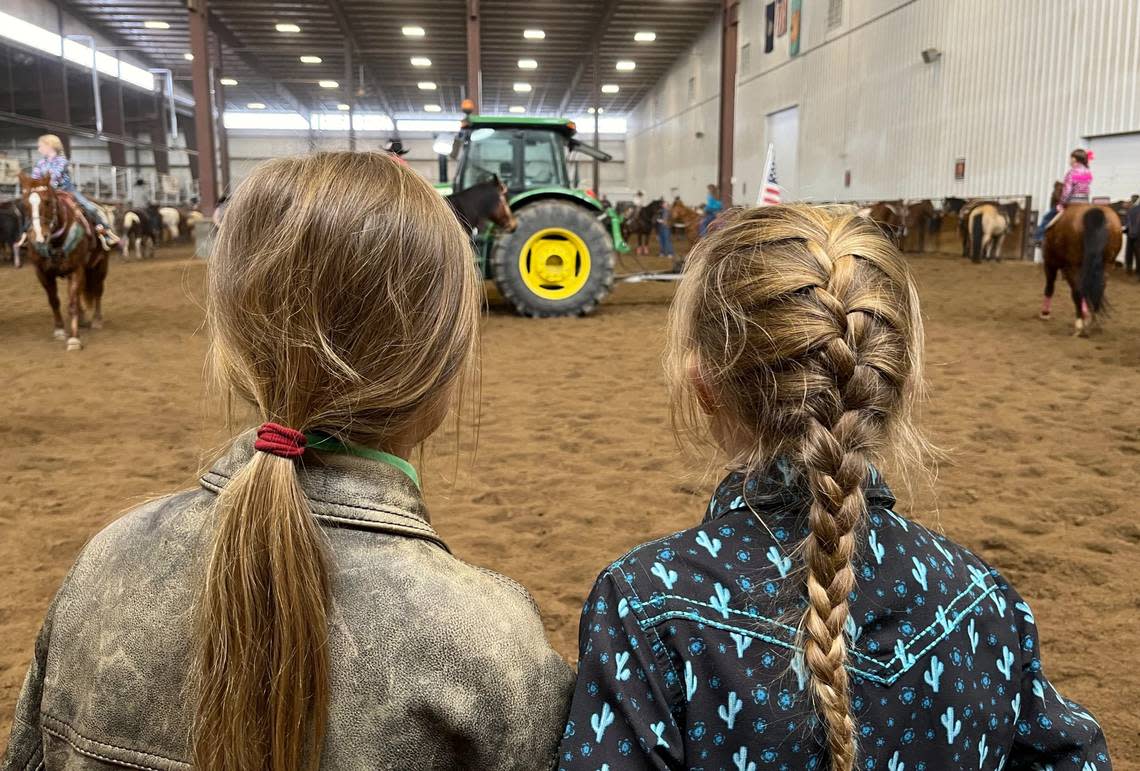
{"points": [[72, 731]]}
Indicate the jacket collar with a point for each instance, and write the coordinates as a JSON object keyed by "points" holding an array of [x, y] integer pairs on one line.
{"points": [[781, 489], [343, 490]]}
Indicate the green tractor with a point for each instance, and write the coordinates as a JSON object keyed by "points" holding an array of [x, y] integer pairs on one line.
{"points": [[560, 259]]}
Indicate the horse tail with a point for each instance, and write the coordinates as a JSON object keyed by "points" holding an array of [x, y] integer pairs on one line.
{"points": [[976, 232], [1092, 266]]}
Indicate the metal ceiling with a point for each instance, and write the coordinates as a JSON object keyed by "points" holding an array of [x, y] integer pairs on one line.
{"points": [[268, 69]]}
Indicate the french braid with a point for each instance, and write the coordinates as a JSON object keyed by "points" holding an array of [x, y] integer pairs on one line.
{"points": [[803, 324]]}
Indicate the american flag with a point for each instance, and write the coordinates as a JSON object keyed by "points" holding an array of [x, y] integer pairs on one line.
{"points": [[770, 194]]}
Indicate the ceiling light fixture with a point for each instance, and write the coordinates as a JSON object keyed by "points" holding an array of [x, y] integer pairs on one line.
{"points": [[307, 59], [343, 107], [287, 28], [426, 85], [156, 25], [421, 61], [645, 37], [255, 106], [610, 88], [534, 34], [328, 84], [413, 31], [188, 57], [625, 65], [228, 82], [599, 111], [528, 64], [432, 108], [517, 109], [522, 88]]}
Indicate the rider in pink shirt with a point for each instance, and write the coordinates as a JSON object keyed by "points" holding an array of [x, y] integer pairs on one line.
{"points": [[1077, 187]]}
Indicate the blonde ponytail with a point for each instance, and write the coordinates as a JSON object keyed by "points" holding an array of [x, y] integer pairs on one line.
{"points": [[805, 325], [262, 655]]}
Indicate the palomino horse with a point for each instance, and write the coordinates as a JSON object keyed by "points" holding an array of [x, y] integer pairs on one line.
{"points": [[63, 245], [481, 202], [685, 218], [989, 224], [1080, 242], [641, 223]]}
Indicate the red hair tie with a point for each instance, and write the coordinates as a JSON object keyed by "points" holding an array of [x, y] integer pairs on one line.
{"points": [[280, 441]]}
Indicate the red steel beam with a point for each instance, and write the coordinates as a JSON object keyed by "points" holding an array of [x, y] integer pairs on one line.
{"points": [[728, 39], [474, 55]]}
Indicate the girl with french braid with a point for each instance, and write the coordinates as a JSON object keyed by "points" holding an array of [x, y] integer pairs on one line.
{"points": [[804, 624]]}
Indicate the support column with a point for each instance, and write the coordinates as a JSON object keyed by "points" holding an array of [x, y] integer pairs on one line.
{"points": [[350, 95], [220, 123], [111, 94], [596, 98], [65, 108], [158, 135], [189, 129], [728, 39], [203, 108], [474, 56]]}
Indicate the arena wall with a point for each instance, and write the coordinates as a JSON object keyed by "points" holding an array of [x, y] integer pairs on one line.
{"points": [[1018, 85]]}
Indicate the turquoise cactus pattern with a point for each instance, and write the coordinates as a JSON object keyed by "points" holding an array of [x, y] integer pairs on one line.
{"points": [[689, 652]]}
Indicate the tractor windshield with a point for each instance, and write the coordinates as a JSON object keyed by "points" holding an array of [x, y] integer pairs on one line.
{"points": [[521, 158]]}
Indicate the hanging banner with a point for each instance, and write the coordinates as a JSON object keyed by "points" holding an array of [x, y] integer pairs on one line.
{"points": [[797, 25], [781, 18], [769, 27]]}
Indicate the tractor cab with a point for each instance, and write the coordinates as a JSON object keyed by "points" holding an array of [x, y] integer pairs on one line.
{"points": [[524, 153]]}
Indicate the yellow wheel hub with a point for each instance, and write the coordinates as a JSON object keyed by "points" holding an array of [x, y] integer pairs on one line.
{"points": [[554, 263]]}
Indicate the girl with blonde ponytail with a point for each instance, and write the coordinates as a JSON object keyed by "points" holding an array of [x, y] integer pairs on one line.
{"points": [[298, 611], [804, 624]]}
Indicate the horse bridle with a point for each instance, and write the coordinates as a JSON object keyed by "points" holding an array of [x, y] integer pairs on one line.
{"points": [[44, 248]]}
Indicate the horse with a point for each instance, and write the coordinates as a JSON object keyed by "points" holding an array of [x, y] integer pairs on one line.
{"points": [[138, 231], [890, 217], [685, 218], [989, 224], [642, 223], [919, 218], [1080, 243], [481, 202], [173, 223], [11, 228], [64, 245]]}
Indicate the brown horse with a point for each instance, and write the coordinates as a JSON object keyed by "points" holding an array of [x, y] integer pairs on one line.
{"points": [[1081, 241], [685, 218], [63, 245], [641, 222], [482, 202], [891, 218], [920, 220]]}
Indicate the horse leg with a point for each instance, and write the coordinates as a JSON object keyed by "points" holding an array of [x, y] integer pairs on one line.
{"points": [[52, 291], [73, 309], [1080, 326], [1050, 285]]}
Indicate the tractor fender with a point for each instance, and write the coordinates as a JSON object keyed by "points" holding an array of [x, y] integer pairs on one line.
{"points": [[609, 217]]}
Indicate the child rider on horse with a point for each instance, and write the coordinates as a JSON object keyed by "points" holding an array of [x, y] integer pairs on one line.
{"points": [[55, 166], [1078, 183]]}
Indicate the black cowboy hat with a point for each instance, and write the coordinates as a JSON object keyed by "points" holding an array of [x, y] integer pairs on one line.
{"points": [[396, 147]]}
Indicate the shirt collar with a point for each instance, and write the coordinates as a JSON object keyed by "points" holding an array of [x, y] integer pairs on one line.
{"points": [[781, 489]]}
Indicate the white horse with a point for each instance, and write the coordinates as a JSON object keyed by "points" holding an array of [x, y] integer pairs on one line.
{"points": [[171, 222]]}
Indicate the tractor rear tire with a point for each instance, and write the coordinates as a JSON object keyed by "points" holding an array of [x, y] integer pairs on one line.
{"points": [[559, 262]]}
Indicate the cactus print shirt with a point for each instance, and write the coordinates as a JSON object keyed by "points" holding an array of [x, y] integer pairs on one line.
{"points": [[688, 655]]}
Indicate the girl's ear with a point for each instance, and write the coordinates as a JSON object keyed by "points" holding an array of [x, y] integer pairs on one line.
{"points": [[701, 387]]}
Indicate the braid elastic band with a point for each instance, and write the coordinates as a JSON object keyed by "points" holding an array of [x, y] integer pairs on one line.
{"points": [[280, 440]]}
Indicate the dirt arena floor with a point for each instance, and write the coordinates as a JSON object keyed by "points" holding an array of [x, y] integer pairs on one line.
{"points": [[576, 463]]}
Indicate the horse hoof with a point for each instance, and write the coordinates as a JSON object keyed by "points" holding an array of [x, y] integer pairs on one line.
{"points": [[97, 324], [59, 334], [74, 344], [1045, 315]]}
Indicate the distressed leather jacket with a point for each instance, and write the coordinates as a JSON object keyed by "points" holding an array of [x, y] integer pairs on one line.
{"points": [[435, 663]]}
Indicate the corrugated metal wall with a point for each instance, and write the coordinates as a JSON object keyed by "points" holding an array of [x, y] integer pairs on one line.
{"points": [[1020, 83]]}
